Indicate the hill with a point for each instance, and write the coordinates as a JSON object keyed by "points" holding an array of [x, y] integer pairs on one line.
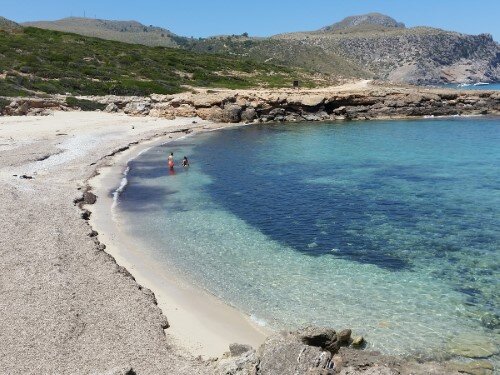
{"points": [[8, 25], [365, 20], [373, 46], [45, 61], [364, 46], [122, 31], [412, 55]]}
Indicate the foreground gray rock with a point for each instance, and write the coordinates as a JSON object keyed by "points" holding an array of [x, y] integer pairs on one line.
{"points": [[323, 351]]}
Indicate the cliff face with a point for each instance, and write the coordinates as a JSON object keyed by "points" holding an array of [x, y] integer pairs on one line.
{"points": [[262, 106], [417, 55]]}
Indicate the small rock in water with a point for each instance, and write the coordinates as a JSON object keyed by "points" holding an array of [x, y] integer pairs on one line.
{"points": [[474, 367], [473, 346], [491, 321], [358, 341]]}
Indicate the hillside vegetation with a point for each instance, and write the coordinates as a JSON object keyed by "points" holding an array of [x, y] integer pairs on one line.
{"points": [[122, 31], [365, 46], [44, 61]]}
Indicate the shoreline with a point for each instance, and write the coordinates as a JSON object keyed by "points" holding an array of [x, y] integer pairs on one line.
{"points": [[79, 311], [200, 322]]}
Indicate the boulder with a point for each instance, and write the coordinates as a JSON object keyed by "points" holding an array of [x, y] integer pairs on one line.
{"points": [[245, 364], [284, 354], [248, 115], [231, 113], [211, 114], [358, 342], [277, 112], [137, 108], [344, 337], [111, 107], [89, 197], [22, 110]]}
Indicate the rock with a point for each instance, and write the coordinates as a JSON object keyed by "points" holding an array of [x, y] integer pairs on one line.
{"points": [[358, 341], [473, 368], [292, 118], [211, 114], [473, 346], [339, 110], [89, 198], [344, 337], [22, 109], [491, 321], [231, 113], [311, 117], [306, 100], [277, 112], [185, 110], [137, 108], [284, 354], [111, 107], [239, 349], [245, 364], [325, 338], [248, 115]]}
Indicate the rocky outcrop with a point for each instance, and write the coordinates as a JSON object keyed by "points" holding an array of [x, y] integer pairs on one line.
{"points": [[290, 106], [32, 107], [323, 351], [376, 102]]}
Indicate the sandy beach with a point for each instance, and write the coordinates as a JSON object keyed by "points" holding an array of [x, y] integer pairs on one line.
{"points": [[67, 306], [81, 296]]}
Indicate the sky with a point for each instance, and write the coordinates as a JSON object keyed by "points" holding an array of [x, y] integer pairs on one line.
{"points": [[201, 18]]}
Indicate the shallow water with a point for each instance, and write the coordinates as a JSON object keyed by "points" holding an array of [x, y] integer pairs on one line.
{"points": [[390, 228]]}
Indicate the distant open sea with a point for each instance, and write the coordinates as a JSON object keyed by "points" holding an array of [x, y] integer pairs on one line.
{"points": [[391, 228], [489, 86]]}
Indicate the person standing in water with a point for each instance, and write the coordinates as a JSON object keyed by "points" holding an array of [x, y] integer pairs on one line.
{"points": [[185, 162], [171, 160]]}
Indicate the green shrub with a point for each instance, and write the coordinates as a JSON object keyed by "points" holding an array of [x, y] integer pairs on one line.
{"points": [[3, 103], [83, 104], [61, 62]]}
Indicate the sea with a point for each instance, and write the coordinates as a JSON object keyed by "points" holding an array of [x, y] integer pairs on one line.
{"points": [[473, 86], [390, 228]]}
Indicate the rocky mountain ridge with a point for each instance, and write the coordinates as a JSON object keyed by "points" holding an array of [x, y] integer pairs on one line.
{"points": [[364, 46], [8, 25], [370, 19]]}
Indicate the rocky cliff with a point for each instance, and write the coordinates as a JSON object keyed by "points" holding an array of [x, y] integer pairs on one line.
{"points": [[417, 55], [285, 105]]}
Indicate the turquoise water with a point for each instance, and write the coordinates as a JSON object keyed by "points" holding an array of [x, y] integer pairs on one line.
{"points": [[390, 228]]}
